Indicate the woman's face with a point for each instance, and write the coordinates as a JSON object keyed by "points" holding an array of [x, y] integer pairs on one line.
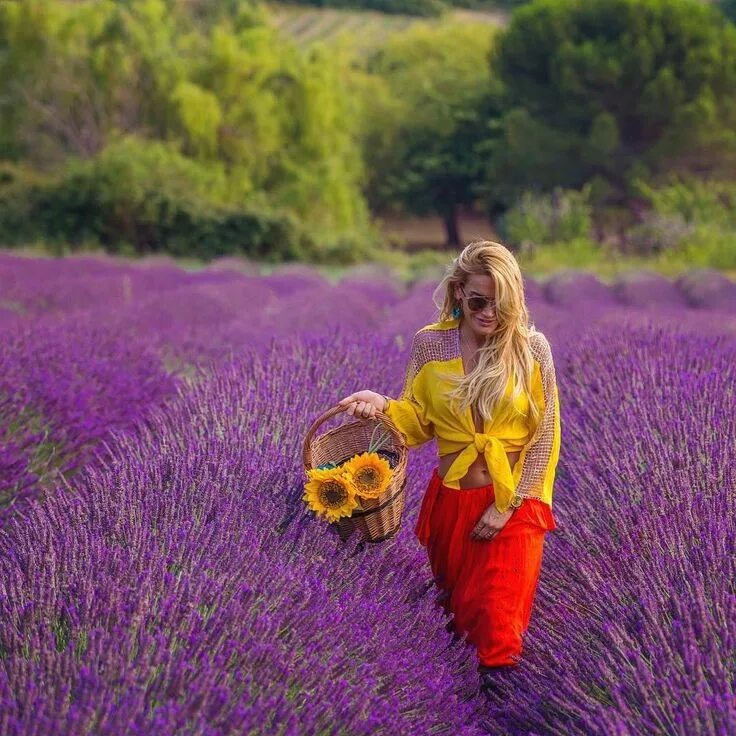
{"points": [[483, 323]]}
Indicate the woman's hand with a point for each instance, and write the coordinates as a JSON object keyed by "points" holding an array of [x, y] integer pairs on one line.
{"points": [[491, 523], [363, 403]]}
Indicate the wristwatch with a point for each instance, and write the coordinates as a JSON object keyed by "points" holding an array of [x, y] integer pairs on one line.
{"points": [[516, 501]]}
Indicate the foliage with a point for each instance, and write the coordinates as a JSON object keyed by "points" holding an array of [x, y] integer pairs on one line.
{"points": [[549, 218], [18, 190], [543, 260], [728, 8], [617, 89], [706, 210], [436, 82], [699, 201], [266, 139], [269, 128], [709, 246], [149, 196]]}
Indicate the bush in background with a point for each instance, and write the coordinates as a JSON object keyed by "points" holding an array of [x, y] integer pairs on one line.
{"points": [[145, 197], [538, 219], [694, 220], [656, 233], [18, 189]]}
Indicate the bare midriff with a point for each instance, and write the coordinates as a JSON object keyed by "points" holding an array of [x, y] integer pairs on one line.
{"points": [[477, 474]]}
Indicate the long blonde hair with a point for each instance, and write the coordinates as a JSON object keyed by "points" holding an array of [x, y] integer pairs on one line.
{"points": [[507, 351]]}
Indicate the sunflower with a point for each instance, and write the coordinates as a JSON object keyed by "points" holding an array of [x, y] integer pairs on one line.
{"points": [[370, 473], [330, 493]]}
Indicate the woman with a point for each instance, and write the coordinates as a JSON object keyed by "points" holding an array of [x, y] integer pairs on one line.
{"points": [[482, 381]]}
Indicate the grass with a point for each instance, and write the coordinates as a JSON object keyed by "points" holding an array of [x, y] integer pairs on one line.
{"points": [[607, 264]]}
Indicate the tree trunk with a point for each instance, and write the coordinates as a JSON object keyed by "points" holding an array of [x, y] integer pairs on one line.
{"points": [[452, 226]]}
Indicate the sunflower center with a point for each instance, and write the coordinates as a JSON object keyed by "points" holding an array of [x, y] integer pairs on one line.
{"points": [[332, 494], [368, 478]]}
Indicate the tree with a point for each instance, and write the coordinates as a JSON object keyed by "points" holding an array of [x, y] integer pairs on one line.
{"points": [[217, 83], [611, 89], [728, 8], [420, 150]]}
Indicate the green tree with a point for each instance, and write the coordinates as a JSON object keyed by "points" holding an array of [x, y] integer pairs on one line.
{"points": [[287, 128], [728, 7], [421, 147], [76, 73], [611, 90], [219, 84]]}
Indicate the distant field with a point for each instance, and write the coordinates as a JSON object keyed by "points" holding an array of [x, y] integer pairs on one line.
{"points": [[308, 25]]}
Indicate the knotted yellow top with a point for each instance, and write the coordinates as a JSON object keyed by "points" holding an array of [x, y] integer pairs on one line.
{"points": [[423, 412]]}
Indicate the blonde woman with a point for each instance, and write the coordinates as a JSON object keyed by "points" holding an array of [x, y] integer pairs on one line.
{"points": [[482, 381]]}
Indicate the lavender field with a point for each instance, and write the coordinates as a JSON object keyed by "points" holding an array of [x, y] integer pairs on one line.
{"points": [[159, 573]]}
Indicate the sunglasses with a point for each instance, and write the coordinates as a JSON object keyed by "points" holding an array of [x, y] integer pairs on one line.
{"points": [[478, 303]]}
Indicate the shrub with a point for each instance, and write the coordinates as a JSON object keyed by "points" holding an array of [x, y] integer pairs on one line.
{"points": [[705, 213], [656, 233], [17, 190], [548, 218], [696, 200], [708, 247], [144, 196]]}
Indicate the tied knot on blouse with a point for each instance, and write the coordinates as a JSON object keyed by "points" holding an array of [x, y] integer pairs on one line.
{"points": [[494, 450], [483, 440]]}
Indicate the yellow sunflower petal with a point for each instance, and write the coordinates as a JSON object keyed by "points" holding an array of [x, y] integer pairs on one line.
{"points": [[330, 494], [370, 473], [323, 473]]}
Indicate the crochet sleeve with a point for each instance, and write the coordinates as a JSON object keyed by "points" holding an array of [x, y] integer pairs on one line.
{"points": [[539, 457], [407, 412]]}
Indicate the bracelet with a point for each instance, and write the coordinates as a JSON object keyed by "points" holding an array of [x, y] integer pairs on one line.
{"points": [[388, 401]]}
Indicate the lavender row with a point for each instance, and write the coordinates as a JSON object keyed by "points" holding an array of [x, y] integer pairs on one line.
{"points": [[623, 598], [182, 588], [30, 287], [63, 387], [632, 630], [635, 628]]}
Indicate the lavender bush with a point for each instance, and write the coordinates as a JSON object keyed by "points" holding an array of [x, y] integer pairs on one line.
{"points": [[64, 384], [160, 574]]}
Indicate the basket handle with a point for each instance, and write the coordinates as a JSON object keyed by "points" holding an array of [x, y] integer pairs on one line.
{"points": [[307, 447]]}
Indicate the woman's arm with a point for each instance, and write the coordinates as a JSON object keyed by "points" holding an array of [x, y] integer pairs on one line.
{"points": [[539, 457], [406, 412]]}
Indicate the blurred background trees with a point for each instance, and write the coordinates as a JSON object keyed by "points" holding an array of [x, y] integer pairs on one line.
{"points": [[204, 128], [612, 91]]}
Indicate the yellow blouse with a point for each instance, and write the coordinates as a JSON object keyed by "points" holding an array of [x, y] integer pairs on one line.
{"points": [[424, 412]]}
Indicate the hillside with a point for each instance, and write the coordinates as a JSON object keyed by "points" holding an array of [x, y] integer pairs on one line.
{"points": [[308, 25]]}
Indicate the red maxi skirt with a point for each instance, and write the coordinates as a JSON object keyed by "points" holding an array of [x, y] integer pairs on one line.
{"points": [[488, 586]]}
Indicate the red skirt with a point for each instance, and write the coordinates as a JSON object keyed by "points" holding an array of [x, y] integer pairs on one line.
{"points": [[488, 586]]}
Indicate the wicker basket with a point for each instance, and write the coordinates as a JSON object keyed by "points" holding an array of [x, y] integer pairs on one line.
{"points": [[380, 518]]}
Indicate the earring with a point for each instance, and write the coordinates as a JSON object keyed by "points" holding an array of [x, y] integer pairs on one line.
{"points": [[456, 311]]}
